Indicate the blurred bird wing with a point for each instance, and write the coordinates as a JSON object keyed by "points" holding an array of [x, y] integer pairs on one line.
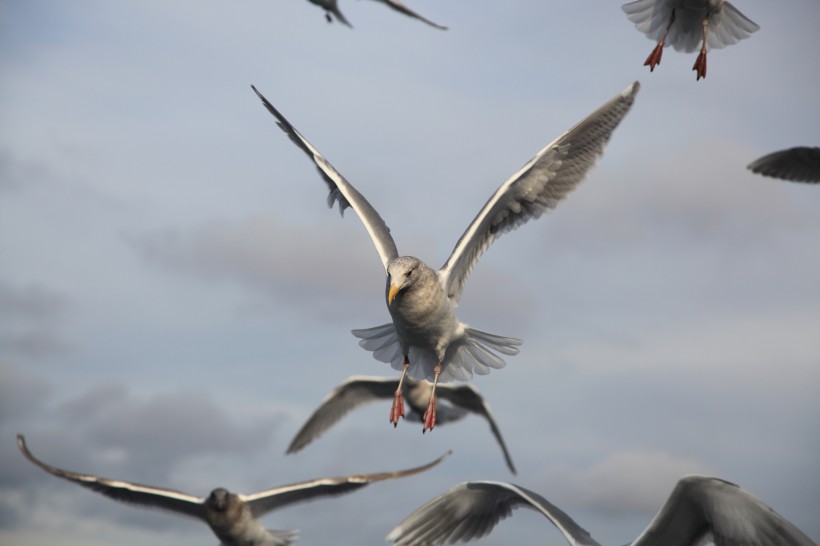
{"points": [[265, 501], [701, 507], [801, 164], [132, 493], [467, 397], [341, 191], [538, 187], [354, 392], [471, 510], [401, 8]]}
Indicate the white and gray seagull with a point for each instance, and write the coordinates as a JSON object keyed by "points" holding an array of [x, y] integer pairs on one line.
{"points": [[799, 164], [331, 7], [232, 517], [684, 24], [699, 510], [425, 338], [358, 390]]}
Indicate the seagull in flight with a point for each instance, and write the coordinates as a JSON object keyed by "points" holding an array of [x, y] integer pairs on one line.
{"points": [[699, 510], [232, 517], [800, 164], [685, 23], [359, 390], [331, 8], [425, 339]]}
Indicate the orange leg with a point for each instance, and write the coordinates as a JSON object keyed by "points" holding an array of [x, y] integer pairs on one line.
{"points": [[700, 62], [397, 410], [654, 58], [430, 414]]}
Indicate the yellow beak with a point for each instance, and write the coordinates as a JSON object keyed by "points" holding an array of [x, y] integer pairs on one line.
{"points": [[394, 289]]}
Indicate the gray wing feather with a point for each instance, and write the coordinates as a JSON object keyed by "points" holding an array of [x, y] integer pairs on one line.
{"points": [[401, 8], [467, 397], [354, 392], [132, 493], [271, 499], [538, 187], [800, 164], [701, 507], [341, 191], [471, 510]]}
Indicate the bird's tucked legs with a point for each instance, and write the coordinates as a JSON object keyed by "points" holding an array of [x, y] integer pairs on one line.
{"points": [[327, 16], [654, 58], [430, 414], [700, 62], [397, 410]]}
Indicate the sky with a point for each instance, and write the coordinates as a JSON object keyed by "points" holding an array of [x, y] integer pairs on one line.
{"points": [[176, 298]]}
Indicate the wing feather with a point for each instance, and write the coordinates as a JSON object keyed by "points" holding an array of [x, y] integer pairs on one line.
{"points": [[538, 187], [471, 510], [131, 493], [341, 191], [270, 499], [354, 392]]}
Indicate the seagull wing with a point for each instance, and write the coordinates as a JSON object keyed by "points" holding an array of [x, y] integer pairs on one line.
{"points": [[132, 493], [341, 191], [467, 397], [471, 510], [728, 26], [801, 164], [401, 8], [701, 507], [354, 392], [538, 187], [265, 501]]}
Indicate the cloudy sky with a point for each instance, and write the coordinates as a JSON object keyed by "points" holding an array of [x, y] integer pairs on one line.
{"points": [[175, 296]]}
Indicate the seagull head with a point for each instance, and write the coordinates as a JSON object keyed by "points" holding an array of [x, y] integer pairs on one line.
{"points": [[402, 273], [218, 500]]}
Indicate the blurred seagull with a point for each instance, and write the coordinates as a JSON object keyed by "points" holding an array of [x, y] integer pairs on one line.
{"points": [[800, 164], [331, 7], [359, 390], [425, 338], [685, 23], [232, 518], [700, 509]]}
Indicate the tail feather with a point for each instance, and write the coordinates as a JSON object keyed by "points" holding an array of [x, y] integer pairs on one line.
{"points": [[472, 354]]}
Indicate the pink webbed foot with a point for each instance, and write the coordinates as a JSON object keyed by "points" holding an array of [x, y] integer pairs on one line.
{"points": [[654, 58], [430, 415], [397, 410], [700, 65]]}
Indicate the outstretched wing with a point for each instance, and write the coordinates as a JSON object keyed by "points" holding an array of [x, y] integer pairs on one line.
{"points": [[132, 493], [538, 187], [265, 501], [401, 8], [701, 507], [354, 392], [341, 191], [465, 396], [471, 510], [800, 164]]}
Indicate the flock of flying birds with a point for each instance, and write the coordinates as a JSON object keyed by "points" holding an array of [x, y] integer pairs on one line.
{"points": [[431, 346]]}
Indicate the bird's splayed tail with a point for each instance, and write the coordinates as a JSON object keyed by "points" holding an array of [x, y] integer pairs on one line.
{"points": [[473, 353]]}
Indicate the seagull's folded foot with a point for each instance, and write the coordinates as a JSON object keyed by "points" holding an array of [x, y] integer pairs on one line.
{"points": [[654, 58], [328, 17], [430, 414], [700, 64], [397, 410]]}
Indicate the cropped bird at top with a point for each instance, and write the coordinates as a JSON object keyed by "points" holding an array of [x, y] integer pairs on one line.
{"points": [[425, 338], [686, 23], [232, 517], [359, 390], [700, 510], [331, 8], [798, 164]]}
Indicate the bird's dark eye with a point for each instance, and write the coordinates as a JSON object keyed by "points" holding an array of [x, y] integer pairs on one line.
{"points": [[408, 274]]}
